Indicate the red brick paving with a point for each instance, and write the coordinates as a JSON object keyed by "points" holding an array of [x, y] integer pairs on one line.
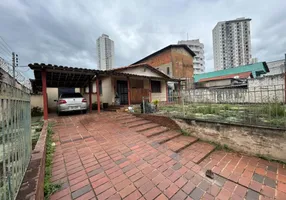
{"points": [[98, 157]]}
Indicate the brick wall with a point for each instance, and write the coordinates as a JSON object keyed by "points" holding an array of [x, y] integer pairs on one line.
{"points": [[177, 58], [182, 63]]}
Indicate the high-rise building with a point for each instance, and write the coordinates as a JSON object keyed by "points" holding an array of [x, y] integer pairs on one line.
{"points": [[231, 43], [105, 52], [198, 48]]}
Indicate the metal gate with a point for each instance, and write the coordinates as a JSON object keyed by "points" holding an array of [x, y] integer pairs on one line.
{"points": [[15, 138]]}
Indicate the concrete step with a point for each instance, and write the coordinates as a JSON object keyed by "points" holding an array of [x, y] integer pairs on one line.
{"points": [[164, 137], [138, 123], [125, 118], [145, 127], [154, 131], [130, 120], [179, 143], [197, 152]]}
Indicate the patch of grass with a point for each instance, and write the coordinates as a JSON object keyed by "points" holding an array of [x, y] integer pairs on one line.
{"points": [[49, 188], [185, 133], [270, 159]]}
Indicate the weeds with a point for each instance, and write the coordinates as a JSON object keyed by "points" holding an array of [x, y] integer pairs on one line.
{"points": [[270, 159], [49, 188], [185, 133]]}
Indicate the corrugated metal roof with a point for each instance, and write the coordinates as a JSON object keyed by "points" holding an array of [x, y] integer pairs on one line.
{"points": [[240, 75], [257, 69]]}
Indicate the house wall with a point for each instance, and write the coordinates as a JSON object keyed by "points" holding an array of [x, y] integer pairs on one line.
{"points": [[36, 100], [141, 71], [182, 63], [160, 96]]}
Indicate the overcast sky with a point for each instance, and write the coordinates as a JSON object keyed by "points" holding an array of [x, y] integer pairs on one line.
{"points": [[64, 32]]}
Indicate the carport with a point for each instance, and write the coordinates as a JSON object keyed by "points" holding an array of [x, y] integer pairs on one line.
{"points": [[62, 76]]}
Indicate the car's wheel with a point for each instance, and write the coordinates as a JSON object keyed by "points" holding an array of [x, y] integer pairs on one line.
{"points": [[59, 113], [84, 111]]}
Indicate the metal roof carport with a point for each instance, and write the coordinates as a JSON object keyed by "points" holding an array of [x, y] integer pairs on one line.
{"points": [[60, 76], [47, 75]]}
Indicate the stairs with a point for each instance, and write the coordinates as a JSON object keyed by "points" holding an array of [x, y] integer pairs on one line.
{"points": [[114, 108], [188, 147]]}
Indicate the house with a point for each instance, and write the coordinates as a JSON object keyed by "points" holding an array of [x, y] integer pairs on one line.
{"points": [[130, 84], [137, 81], [231, 77], [175, 60]]}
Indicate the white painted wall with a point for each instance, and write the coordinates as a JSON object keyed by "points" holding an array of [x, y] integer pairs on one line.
{"points": [[160, 96]]}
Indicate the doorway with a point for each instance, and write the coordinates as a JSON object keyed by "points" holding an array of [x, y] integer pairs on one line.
{"points": [[122, 91]]}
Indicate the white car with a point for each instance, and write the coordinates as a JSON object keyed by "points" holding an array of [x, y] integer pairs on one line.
{"points": [[68, 102]]}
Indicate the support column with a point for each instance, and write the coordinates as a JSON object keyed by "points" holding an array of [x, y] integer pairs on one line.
{"points": [[129, 92], [44, 92], [167, 94], [97, 94], [90, 95], [179, 91], [150, 91]]}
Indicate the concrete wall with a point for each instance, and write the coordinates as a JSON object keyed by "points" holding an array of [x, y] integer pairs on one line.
{"points": [[268, 142], [260, 90]]}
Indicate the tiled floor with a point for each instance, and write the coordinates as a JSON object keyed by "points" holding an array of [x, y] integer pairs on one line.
{"points": [[108, 156]]}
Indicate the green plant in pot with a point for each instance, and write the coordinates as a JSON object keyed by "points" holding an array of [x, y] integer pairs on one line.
{"points": [[156, 102]]}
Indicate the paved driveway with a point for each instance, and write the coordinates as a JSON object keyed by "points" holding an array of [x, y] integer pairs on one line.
{"points": [[120, 156]]}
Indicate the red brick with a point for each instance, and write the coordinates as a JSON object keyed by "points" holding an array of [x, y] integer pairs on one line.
{"points": [[118, 179], [119, 186], [141, 182], [133, 196], [99, 182], [86, 196], [108, 193], [146, 187], [256, 186], [60, 194], [127, 190], [181, 182], [224, 194], [280, 195], [240, 191], [229, 186], [268, 191], [78, 179], [214, 190], [152, 194], [281, 187], [164, 184], [188, 188], [102, 188], [173, 189], [158, 179], [132, 172], [260, 171], [79, 185], [244, 181], [135, 177], [96, 177], [161, 197]]}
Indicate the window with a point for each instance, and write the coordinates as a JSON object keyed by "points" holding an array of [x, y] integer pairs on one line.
{"points": [[168, 70], [156, 86]]}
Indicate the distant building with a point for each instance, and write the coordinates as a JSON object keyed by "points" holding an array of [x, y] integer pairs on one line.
{"points": [[105, 52], [276, 67], [253, 60], [231, 43], [232, 77], [199, 60]]}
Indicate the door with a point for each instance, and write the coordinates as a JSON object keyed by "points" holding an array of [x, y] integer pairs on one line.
{"points": [[122, 91]]}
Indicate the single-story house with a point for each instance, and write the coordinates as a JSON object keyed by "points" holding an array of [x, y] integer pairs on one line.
{"points": [[131, 84]]}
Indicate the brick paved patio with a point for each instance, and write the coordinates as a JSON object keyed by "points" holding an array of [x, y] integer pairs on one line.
{"points": [[120, 156]]}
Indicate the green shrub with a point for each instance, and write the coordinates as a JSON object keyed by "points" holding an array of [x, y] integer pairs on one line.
{"points": [[36, 111]]}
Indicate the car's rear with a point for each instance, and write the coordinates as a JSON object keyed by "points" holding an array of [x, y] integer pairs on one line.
{"points": [[71, 102]]}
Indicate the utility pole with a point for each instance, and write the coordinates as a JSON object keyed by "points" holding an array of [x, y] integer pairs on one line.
{"points": [[13, 65]]}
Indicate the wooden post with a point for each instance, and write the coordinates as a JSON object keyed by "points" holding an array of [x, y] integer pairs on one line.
{"points": [[44, 92], [129, 92], [97, 94], [167, 90], [150, 90], [90, 95], [179, 91]]}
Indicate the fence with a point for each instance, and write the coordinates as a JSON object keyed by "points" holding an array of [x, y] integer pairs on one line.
{"points": [[15, 138], [263, 106]]}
